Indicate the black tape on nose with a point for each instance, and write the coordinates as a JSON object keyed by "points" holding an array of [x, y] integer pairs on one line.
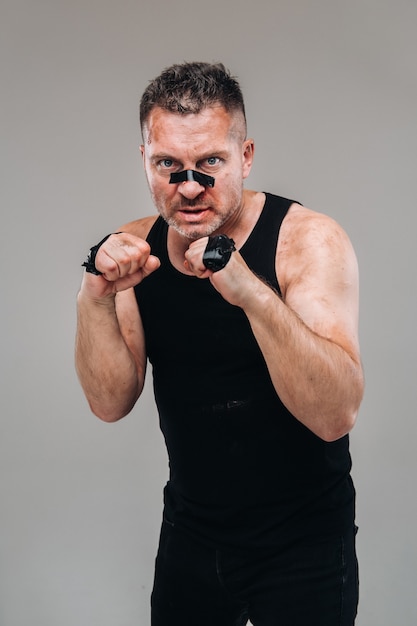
{"points": [[203, 179]]}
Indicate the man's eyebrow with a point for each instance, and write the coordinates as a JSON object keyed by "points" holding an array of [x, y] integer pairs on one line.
{"points": [[162, 155], [211, 153], [159, 156]]}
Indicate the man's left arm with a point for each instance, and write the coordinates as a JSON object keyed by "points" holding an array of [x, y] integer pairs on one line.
{"points": [[309, 336]]}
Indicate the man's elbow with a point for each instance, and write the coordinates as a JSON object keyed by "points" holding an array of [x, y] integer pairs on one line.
{"points": [[108, 417], [335, 429], [347, 416], [111, 413]]}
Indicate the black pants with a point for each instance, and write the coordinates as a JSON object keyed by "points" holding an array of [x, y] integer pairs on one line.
{"points": [[313, 583]]}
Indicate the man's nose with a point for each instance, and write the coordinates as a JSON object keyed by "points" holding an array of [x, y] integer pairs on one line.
{"points": [[190, 189]]}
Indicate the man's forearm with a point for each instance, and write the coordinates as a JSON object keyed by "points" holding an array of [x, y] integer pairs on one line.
{"points": [[106, 368], [319, 382]]}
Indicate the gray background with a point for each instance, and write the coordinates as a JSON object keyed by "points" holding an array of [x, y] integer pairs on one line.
{"points": [[331, 99]]}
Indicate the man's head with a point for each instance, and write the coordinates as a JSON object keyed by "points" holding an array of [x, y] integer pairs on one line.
{"points": [[194, 131], [190, 88]]}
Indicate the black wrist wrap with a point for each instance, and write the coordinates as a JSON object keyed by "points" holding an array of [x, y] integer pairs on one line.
{"points": [[90, 262], [218, 252]]}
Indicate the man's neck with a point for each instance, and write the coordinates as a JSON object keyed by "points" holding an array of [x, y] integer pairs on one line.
{"points": [[237, 229]]}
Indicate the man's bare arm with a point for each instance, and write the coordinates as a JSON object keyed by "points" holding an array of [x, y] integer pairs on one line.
{"points": [[309, 337], [110, 350]]}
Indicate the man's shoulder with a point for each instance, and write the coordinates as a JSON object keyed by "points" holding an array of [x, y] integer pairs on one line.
{"points": [[308, 238], [140, 227], [301, 221]]}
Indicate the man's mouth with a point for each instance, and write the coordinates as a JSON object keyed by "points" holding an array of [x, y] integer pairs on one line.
{"points": [[193, 211]]}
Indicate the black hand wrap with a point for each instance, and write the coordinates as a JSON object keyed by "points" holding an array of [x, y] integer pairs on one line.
{"points": [[218, 252], [90, 263]]}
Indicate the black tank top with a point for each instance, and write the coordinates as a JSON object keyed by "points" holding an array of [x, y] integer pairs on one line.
{"points": [[243, 471]]}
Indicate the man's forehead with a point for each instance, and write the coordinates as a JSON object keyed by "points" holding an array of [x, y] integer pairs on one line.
{"points": [[210, 121]]}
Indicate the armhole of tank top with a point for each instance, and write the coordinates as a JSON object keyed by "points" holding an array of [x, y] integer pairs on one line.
{"points": [[269, 221], [157, 238]]}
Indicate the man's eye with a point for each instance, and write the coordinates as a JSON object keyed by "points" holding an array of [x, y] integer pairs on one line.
{"points": [[212, 160], [166, 163]]}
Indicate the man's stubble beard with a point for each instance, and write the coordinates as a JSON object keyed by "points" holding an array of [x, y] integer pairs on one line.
{"points": [[205, 230]]}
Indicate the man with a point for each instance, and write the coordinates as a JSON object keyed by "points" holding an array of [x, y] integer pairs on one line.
{"points": [[253, 341]]}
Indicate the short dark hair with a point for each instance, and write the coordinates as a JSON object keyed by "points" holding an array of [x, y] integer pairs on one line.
{"points": [[189, 88]]}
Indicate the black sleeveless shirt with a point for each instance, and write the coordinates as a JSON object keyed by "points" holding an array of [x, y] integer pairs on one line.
{"points": [[244, 472]]}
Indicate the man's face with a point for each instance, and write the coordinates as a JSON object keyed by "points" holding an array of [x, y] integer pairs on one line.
{"points": [[211, 142]]}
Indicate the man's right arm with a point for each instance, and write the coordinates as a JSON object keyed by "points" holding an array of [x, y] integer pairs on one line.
{"points": [[110, 351]]}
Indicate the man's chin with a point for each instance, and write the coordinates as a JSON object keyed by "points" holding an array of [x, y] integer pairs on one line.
{"points": [[192, 231]]}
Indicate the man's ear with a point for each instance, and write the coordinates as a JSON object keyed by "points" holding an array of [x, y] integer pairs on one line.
{"points": [[247, 156]]}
